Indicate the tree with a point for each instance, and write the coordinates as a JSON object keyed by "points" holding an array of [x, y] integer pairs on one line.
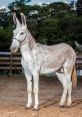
{"points": [[49, 24], [72, 5], [79, 7], [20, 3], [59, 9]]}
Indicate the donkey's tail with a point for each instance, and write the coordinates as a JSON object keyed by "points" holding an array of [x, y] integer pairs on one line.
{"points": [[74, 77]]}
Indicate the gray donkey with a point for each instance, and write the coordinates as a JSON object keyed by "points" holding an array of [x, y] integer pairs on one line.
{"points": [[42, 59]]}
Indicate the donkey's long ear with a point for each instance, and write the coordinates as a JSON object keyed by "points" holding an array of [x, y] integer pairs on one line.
{"points": [[15, 19], [23, 18]]}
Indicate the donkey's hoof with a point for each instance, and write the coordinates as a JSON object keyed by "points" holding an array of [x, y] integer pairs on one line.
{"points": [[68, 106], [27, 108], [69, 103], [36, 109]]}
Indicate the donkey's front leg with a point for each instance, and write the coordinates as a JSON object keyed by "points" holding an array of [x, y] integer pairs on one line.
{"points": [[29, 89], [36, 89]]}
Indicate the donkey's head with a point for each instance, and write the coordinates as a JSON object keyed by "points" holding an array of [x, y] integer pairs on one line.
{"points": [[20, 33]]}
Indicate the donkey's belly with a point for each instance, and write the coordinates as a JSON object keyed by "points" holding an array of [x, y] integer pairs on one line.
{"points": [[48, 70], [51, 66]]}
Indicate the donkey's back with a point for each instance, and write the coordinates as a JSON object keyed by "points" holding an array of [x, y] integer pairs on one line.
{"points": [[55, 56]]}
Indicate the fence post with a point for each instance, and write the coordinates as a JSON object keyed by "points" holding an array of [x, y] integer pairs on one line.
{"points": [[11, 64]]}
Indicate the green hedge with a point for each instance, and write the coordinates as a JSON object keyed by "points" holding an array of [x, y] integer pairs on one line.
{"points": [[48, 31], [5, 38]]}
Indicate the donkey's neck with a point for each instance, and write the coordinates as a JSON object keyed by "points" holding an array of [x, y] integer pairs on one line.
{"points": [[29, 43], [32, 41]]}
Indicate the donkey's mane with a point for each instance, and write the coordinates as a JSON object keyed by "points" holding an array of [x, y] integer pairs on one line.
{"points": [[32, 41]]}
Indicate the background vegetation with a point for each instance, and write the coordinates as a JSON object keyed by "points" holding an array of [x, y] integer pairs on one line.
{"points": [[49, 23]]}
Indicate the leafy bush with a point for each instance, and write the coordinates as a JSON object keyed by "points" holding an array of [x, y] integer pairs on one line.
{"points": [[47, 26], [5, 38]]}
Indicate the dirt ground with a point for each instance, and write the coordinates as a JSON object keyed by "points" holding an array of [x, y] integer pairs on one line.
{"points": [[13, 97]]}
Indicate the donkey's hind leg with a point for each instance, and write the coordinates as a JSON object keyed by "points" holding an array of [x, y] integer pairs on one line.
{"points": [[62, 78], [69, 101]]}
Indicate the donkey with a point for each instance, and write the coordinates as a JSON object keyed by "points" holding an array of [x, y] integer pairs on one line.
{"points": [[42, 59]]}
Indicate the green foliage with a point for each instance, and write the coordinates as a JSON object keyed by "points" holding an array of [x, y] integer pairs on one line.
{"points": [[79, 7], [5, 38], [51, 24], [47, 30], [20, 3]]}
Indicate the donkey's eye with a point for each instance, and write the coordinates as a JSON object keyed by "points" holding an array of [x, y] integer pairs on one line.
{"points": [[21, 33]]}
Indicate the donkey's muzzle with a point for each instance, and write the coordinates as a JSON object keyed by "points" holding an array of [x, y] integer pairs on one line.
{"points": [[13, 49]]}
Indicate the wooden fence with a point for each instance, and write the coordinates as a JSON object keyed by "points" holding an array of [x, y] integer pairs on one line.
{"points": [[79, 61], [12, 63]]}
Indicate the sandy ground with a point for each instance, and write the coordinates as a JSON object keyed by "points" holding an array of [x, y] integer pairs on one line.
{"points": [[13, 97]]}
